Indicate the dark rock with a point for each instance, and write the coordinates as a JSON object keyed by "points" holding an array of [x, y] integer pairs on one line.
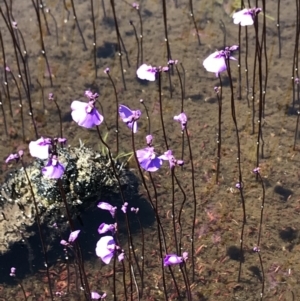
{"points": [[88, 177]]}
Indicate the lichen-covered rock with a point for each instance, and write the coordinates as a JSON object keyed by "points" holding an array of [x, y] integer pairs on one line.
{"points": [[88, 177]]}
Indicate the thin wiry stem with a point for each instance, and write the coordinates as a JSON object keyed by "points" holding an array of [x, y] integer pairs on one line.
{"points": [[112, 3], [43, 50], [260, 232], [77, 24], [16, 51], [5, 75], [94, 38], [117, 110], [3, 114], [37, 214], [219, 139], [169, 56], [278, 29], [138, 45], [20, 105], [240, 184], [194, 21]]}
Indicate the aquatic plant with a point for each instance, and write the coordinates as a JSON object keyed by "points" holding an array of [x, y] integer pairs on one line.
{"points": [[200, 226]]}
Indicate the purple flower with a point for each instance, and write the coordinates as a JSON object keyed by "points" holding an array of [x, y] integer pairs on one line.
{"points": [[73, 236], [256, 170], [53, 169], [124, 207], [172, 62], [216, 61], [62, 140], [149, 139], [85, 114], [90, 95], [256, 249], [136, 210], [96, 296], [168, 156], [185, 256], [12, 272], [129, 117], [12, 157], [51, 96], [245, 16], [103, 228], [172, 259], [238, 185], [146, 72], [135, 5], [40, 148], [106, 206], [182, 119], [148, 159], [106, 248], [121, 256]]}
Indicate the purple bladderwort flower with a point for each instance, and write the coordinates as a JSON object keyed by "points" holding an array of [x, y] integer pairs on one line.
{"points": [[217, 89], [14, 24], [168, 156], [96, 296], [121, 256], [256, 170], [53, 169], [163, 69], [146, 72], [61, 140], [149, 140], [124, 207], [7, 69], [106, 70], [40, 148], [129, 117], [256, 249], [136, 210], [105, 248], [90, 95], [51, 96], [135, 5], [14, 157], [182, 119], [245, 17], [238, 185], [173, 259], [106, 206], [55, 226], [103, 228], [85, 114], [73, 236], [12, 272], [172, 62], [185, 256], [148, 159], [216, 62]]}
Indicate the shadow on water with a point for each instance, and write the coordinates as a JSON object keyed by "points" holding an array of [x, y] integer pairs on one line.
{"points": [[28, 256], [107, 50]]}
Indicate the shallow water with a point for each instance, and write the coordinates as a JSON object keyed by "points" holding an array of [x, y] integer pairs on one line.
{"points": [[219, 209]]}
